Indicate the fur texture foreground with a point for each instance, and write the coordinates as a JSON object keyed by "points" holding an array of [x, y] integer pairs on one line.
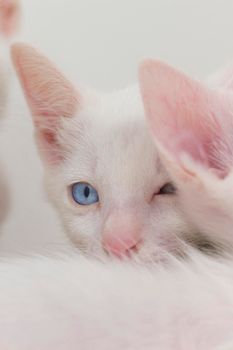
{"points": [[74, 303]]}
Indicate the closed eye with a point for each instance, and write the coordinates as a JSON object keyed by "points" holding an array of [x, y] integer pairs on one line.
{"points": [[168, 188]]}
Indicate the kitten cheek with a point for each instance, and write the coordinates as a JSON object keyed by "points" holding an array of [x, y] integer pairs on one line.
{"points": [[159, 201]]}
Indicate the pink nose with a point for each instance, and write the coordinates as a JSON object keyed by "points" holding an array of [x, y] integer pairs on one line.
{"points": [[121, 244], [122, 232]]}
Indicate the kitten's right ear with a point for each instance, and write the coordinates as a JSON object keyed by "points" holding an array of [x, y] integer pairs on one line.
{"points": [[49, 95], [187, 118]]}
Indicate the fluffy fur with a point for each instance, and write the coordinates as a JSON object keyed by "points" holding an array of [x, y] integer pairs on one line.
{"points": [[74, 303]]}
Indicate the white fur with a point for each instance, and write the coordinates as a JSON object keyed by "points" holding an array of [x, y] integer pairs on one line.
{"points": [[74, 303]]}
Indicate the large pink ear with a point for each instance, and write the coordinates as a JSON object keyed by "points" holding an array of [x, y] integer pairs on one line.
{"points": [[49, 94], [186, 117]]}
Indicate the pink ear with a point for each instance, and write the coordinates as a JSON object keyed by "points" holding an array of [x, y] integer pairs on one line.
{"points": [[184, 114], [49, 94], [9, 16]]}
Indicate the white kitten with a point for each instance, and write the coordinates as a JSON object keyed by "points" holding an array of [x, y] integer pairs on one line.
{"points": [[74, 303], [101, 140], [9, 20], [193, 128]]}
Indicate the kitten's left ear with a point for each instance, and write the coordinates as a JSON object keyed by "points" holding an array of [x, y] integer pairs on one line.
{"points": [[47, 90], [186, 117], [50, 96]]}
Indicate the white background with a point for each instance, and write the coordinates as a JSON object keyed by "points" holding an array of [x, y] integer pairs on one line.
{"points": [[100, 43]]}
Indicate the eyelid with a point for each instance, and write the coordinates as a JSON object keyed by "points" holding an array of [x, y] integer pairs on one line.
{"points": [[159, 192], [168, 188]]}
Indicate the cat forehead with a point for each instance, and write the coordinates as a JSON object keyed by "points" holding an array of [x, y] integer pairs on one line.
{"points": [[111, 132], [116, 108], [115, 119]]}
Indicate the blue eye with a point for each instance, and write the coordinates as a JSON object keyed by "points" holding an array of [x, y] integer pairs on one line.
{"points": [[84, 194]]}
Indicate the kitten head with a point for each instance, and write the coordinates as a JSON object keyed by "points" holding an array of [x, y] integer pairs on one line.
{"points": [[192, 126], [103, 172]]}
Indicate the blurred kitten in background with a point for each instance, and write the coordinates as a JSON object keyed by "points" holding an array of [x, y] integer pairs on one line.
{"points": [[9, 26], [9, 17]]}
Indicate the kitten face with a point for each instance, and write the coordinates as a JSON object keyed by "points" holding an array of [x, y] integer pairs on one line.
{"points": [[118, 158], [102, 141], [193, 128]]}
